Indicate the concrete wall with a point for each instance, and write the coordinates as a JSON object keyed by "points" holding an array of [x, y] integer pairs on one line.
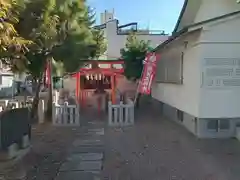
{"points": [[201, 10], [220, 68], [214, 8], [211, 84], [115, 42], [204, 132], [182, 96], [199, 126], [188, 120]]}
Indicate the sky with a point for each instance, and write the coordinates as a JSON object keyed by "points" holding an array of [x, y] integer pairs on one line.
{"points": [[155, 14]]}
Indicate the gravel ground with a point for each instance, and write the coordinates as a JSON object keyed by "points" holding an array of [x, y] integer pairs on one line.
{"points": [[48, 150], [153, 149], [159, 149]]}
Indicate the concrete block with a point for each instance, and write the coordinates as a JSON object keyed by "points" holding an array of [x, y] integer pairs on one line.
{"points": [[238, 133], [12, 151], [25, 141]]}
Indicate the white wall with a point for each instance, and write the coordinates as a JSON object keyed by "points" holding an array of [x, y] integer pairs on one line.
{"points": [[201, 10], [221, 42], [116, 42], [214, 8], [186, 96]]}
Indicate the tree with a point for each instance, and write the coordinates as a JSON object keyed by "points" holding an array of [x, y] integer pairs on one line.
{"points": [[99, 45], [38, 22], [61, 32], [11, 43], [133, 55]]}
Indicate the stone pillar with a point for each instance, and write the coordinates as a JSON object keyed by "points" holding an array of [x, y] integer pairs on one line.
{"points": [[41, 111]]}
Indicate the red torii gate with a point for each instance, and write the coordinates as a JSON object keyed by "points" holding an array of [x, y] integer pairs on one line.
{"points": [[96, 70]]}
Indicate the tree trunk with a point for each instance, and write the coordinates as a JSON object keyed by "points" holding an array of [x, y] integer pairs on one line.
{"points": [[49, 103], [34, 111]]}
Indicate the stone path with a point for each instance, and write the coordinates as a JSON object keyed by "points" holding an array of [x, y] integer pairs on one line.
{"points": [[156, 148], [85, 157]]}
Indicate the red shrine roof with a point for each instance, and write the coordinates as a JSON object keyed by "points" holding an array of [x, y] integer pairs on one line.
{"points": [[102, 70]]}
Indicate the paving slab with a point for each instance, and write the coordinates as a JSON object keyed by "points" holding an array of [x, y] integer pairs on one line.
{"points": [[96, 130], [85, 157], [81, 166], [99, 132], [77, 175], [87, 142], [87, 149]]}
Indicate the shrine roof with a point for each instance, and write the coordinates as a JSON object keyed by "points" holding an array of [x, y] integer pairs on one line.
{"points": [[104, 71], [104, 61]]}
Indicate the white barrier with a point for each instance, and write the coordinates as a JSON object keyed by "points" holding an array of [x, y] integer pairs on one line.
{"points": [[41, 110], [121, 114], [66, 115]]}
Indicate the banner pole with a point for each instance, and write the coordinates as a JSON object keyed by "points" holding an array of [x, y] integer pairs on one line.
{"points": [[139, 81], [136, 94]]}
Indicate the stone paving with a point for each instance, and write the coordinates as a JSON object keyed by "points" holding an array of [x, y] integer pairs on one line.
{"points": [[85, 157], [156, 148]]}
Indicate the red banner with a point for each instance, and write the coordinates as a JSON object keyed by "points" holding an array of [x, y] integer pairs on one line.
{"points": [[149, 71]]}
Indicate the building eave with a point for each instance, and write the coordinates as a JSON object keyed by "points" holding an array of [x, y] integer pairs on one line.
{"points": [[171, 38], [181, 15], [189, 28]]}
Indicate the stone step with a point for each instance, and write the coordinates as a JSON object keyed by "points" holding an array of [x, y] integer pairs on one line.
{"points": [[87, 142], [77, 175], [76, 165], [87, 149], [85, 157]]}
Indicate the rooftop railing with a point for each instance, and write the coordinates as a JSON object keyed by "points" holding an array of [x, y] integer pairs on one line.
{"points": [[141, 32]]}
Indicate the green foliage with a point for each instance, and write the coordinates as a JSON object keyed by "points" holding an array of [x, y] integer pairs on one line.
{"points": [[99, 46], [133, 55], [11, 43], [58, 29]]}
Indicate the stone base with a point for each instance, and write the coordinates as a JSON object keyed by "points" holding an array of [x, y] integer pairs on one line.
{"points": [[201, 127], [14, 150], [25, 141]]}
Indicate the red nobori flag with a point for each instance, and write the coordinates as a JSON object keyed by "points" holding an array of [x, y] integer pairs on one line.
{"points": [[47, 74], [149, 71]]}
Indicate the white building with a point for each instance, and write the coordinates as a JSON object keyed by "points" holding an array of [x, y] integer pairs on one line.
{"points": [[116, 35], [7, 81], [198, 77]]}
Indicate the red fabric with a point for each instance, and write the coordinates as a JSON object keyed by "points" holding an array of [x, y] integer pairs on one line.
{"points": [[149, 71]]}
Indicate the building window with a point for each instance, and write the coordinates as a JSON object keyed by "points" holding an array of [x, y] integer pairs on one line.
{"points": [[218, 125], [170, 68], [212, 125], [224, 124]]}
